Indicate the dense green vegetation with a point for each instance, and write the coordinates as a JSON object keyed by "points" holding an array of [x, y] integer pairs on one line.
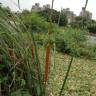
{"points": [[20, 71], [68, 40], [55, 15], [84, 23], [22, 35]]}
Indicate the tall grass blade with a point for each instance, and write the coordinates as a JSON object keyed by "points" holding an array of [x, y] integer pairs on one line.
{"points": [[67, 74]]}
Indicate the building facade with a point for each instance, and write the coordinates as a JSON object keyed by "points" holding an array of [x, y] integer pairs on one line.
{"points": [[69, 15], [47, 6], [37, 7]]}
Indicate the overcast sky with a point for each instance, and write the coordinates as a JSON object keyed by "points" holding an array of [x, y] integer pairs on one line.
{"points": [[74, 5]]}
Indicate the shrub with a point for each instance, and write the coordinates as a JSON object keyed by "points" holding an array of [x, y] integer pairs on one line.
{"points": [[70, 40]]}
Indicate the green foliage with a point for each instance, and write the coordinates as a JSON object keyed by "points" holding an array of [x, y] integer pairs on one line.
{"points": [[70, 40], [16, 59], [84, 23], [34, 22], [43, 38], [4, 10], [92, 27], [81, 22], [54, 17], [63, 20], [74, 42]]}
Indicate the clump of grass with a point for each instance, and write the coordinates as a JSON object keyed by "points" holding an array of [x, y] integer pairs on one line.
{"points": [[23, 71]]}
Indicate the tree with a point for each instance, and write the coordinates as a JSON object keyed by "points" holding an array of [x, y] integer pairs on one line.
{"points": [[81, 22], [92, 26], [25, 12], [63, 20], [55, 16]]}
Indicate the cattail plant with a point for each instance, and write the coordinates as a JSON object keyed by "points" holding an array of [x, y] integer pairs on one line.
{"points": [[47, 63], [48, 47]]}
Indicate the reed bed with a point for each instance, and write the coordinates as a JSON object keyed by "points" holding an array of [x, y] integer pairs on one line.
{"points": [[21, 69]]}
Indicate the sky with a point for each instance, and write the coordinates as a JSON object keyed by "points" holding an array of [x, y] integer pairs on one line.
{"points": [[74, 5]]}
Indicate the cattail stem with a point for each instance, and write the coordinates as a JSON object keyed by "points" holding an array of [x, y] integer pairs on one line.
{"points": [[65, 79], [47, 63]]}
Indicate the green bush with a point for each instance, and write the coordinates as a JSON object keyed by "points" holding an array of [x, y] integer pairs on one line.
{"points": [[70, 40]]}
